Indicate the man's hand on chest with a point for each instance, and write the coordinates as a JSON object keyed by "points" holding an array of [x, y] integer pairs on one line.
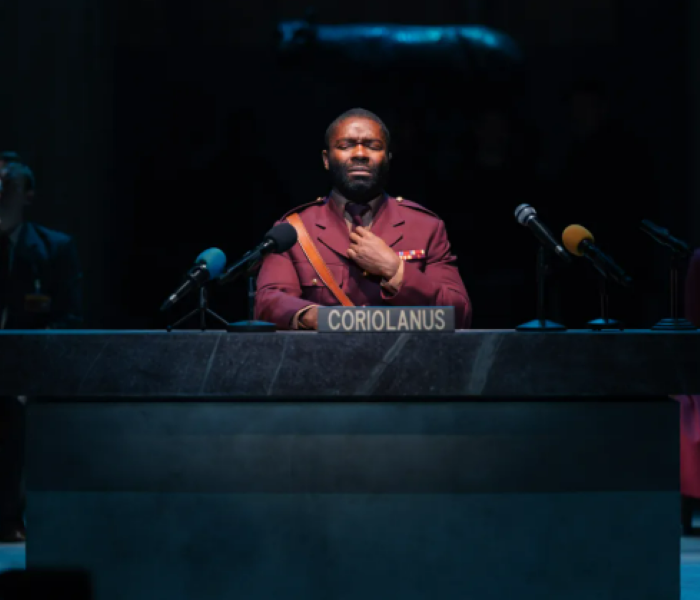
{"points": [[372, 254]]}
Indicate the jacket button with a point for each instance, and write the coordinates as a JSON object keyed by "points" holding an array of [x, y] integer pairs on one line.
{"points": [[399, 199], [314, 282]]}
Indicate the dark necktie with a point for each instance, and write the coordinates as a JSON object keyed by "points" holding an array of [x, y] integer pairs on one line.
{"points": [[356, 211], [4, 269]]}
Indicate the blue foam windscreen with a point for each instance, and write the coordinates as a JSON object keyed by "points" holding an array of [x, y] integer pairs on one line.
{"points": [[214, 259]]}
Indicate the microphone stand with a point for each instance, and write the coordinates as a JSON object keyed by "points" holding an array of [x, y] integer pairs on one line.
{"points": [[605, 322], [202, 310], [251, 325], [541, 323], [675, 323]]}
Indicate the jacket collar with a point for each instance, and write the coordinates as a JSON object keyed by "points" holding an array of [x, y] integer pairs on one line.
{"points": [[331, 228]]}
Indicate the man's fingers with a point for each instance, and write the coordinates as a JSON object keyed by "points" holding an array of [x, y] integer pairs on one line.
{"points": [[361, 231], [352, 253], [354, 237]]}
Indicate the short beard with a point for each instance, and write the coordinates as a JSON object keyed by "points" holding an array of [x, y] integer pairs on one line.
{"points": [[361, 189]]}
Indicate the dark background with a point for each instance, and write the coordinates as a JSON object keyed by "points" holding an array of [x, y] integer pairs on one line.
{"points": [[157, 130]]}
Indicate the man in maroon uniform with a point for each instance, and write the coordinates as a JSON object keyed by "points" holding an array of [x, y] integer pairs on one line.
{"points": [[382, 251]]}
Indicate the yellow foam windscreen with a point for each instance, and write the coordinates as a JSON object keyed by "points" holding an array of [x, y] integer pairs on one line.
{"points": [[573, 236]]}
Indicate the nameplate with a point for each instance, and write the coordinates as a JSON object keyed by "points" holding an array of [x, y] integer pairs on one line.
{"points": [[386, 319]]}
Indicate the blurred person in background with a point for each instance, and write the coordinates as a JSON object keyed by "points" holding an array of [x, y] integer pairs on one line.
{"points": [[40, 277], [40, 288], [7, 157]]}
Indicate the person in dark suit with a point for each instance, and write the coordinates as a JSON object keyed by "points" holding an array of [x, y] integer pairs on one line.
{"points": [[40, 288], [40, 277]]}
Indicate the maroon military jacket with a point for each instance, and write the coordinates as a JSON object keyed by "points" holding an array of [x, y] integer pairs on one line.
{"points": [[287, 282]]}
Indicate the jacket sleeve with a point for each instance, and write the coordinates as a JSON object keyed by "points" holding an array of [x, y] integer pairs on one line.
{"points": [[66, 292], [439, 285], [692, 290], [278, 297]]}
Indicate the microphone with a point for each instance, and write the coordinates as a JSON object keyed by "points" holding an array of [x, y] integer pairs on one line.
{"points": [[527, 216], [209, 265], [663, 237], [580, 242], [279, 239]]}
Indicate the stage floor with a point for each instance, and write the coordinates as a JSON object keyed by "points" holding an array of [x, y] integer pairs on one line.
{"points": [[12, 557]]}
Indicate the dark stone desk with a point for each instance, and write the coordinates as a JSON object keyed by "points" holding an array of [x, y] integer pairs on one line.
{"points": [[479, 465]]}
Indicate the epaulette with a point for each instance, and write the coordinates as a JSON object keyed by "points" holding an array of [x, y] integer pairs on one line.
{"points": [[414, 205], [320, 200]]}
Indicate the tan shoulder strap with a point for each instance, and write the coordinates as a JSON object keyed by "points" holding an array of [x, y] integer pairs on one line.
{"points": [[316, 260]]}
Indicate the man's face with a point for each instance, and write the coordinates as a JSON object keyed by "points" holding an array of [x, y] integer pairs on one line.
{"points": [[358, 159]]}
